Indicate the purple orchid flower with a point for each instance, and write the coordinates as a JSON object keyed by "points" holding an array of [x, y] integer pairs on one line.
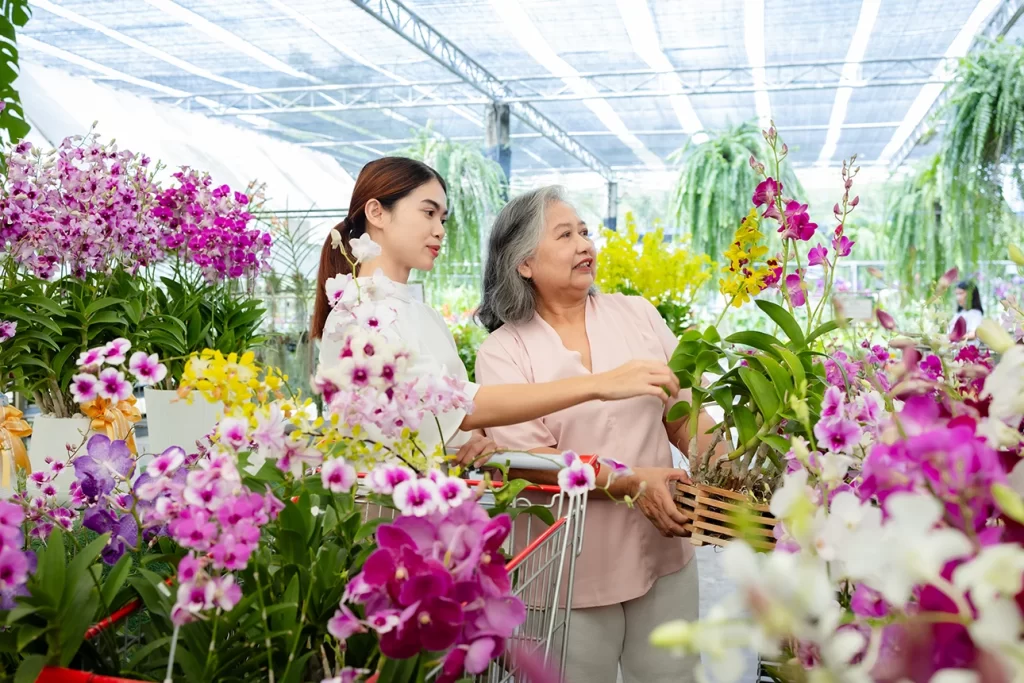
{"points": [[105, 463]]}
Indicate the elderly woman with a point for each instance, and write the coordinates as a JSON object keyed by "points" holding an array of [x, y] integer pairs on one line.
{"points": [[548, 322]]}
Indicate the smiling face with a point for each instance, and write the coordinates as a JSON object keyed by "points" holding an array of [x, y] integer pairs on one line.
{"points": [[411, 231], [565, 260]]}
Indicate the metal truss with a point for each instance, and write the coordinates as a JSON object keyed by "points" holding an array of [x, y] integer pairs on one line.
{"points": [[1002, 20], [405, 23], [520, 92]]}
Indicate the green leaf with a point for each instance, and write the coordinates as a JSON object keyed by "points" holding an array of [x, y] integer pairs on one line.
{"points": [[780, 444], [298, 517], [115, 579], [758, 340], [785, 320], [99, 304], [723, 397], [780, 378], [399, 670], [761, 389], [541, 512], [28, 633], [706, 359], [49, 304], [285, 619], [824, 328], [507, 494], [76, 621], [678, 411], [795, 366], [368, 529], [711, 335], [745, 423], [78, 577], [29, 669], [51, 568]]}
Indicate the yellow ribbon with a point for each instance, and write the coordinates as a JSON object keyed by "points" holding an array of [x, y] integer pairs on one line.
{"points": [[13, 428], [115, 419]]}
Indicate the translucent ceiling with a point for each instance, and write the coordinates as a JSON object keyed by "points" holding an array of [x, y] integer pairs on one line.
{"points": [[629, 80]]}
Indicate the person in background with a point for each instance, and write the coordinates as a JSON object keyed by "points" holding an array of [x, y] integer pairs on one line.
{"points": [[401, 204], [968, 307], [548, 324]]}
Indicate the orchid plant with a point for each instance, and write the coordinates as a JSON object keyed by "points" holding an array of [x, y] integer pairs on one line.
{"points": [[86, 231], [767, 389], [899, 553]]}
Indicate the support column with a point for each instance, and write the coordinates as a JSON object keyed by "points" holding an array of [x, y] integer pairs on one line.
{"points": [[498, 140], [613, 206]]}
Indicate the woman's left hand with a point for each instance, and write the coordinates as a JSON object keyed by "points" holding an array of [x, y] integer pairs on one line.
{"points": [[476, 451]]}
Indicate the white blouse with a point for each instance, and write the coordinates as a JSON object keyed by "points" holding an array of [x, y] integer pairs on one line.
{"points": [[418, 328]]}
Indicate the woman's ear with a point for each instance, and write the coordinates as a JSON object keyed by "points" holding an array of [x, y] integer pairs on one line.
{"points": [[374, 211], [525, 271]]}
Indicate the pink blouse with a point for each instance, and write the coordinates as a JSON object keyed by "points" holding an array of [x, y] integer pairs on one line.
{"points": [[623, 553]]}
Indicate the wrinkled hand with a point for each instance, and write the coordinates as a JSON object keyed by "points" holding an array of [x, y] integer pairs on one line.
{"points": [[638, 378], [476, 451], [654, 498]]}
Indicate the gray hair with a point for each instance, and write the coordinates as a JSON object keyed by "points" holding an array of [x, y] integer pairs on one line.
{"points": [[509, 297]]}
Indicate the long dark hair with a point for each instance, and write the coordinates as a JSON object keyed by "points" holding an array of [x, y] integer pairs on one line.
{"points": [[387, 180], [973, 295]]}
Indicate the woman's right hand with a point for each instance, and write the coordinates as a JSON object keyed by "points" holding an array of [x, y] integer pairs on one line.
{"points": [[653, 497], [637, 378]]}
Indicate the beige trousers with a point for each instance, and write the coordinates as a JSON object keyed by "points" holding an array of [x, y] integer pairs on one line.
{"points": [[603, 638]]}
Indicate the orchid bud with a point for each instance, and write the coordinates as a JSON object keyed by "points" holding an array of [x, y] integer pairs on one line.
{"points": [[885, 320], [753, 162], [855, 201], [785, 149], [836, 210], [1009, 501], [848, 183], [947, 279], [799, 446], [1016, 255], [959, 329], [335, 239], [994, 336]]}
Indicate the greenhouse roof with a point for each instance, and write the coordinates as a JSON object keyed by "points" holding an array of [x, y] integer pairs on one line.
{"points": [[609, 85]]}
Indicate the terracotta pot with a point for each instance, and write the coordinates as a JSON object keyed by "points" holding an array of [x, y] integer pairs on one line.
{"points": [[716, 516]]}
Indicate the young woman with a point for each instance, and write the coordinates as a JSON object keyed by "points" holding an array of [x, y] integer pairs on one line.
{"points": [[972, 313], [402, 205]]}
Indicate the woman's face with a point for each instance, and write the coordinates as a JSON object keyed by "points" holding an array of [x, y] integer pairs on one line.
{"points": [[961, 297], [410, 234], [565, 260]]}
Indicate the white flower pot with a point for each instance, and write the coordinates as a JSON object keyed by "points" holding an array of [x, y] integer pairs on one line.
{"points": [[50, 439], [173, 421]]}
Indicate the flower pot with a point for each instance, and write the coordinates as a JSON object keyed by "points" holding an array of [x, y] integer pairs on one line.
{"points": [[173, 421], [50, 438], [716, 516]]}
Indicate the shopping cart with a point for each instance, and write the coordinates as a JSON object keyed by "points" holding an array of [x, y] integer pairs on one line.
{"points": [[542, 570]]}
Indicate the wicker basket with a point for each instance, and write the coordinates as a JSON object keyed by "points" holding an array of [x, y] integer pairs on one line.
{"points": [[712, 513]]}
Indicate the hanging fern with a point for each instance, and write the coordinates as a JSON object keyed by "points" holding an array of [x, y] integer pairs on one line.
{"points": [[475, 194], [938, 220], [14, 14], [984, 134], [716, 183]]}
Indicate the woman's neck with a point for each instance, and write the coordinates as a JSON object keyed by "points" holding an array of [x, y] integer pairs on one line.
{"points": [[391, 270], [557, 312]]}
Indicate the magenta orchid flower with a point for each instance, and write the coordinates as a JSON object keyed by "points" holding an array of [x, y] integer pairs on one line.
{"points": [[417, 497], [337, 475], [833, 403], [797, 223], [167, 462], [383, 480], [767, 191], [7, 330], [233, 432], [113, 386], [116, 352], [92, 358], [842, 245], [795, 287], [84, 387], [817, 256], [838, 435], [147, 369], [577, 479]]}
